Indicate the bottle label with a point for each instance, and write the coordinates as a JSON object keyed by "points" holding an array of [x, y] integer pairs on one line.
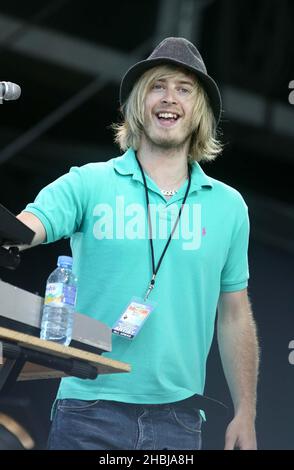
{"points": [[58, 294], [69, 295]]}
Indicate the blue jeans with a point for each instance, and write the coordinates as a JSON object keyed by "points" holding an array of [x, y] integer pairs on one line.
{"points": [[109, 425]]}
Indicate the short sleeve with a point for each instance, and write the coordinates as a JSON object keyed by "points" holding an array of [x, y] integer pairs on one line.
{"points": [[60, 205], [235, 273]]}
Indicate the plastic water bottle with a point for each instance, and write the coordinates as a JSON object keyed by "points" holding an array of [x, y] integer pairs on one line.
{"points": [[59, 304]]}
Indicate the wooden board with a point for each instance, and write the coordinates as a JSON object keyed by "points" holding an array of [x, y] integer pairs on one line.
{"points": [[33, 371]]}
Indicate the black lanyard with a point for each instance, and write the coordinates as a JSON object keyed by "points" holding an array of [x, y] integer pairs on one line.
{"points": [[156, 268]]}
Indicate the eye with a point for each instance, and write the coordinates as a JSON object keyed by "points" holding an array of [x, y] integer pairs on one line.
{"points": [[184, 90], [157, 86]]}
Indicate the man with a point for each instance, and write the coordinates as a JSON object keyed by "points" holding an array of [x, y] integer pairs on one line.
{"points": [[153, 225]]}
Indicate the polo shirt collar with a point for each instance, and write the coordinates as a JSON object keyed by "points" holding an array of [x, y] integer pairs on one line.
{"points": [[127, 165]]}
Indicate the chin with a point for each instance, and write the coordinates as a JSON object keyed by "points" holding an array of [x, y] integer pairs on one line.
{"points": [[165, 141], [169, 143]]}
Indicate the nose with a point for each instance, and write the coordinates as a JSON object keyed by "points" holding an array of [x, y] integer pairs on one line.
{"points": [[169, 97]]}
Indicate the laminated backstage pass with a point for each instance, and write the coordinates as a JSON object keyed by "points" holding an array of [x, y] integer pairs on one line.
{"points": [[133, 318]]}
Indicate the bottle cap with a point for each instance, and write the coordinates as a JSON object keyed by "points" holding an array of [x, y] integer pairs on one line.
{"points": [[64, 261]]}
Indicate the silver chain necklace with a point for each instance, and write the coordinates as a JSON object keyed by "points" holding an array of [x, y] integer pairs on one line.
{"points": [[168, 192]]}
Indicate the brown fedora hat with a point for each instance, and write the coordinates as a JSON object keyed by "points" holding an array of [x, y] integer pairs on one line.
{"points": [[181, 52]]}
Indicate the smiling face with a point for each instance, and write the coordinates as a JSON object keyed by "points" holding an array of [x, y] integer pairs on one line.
{"points": [[168, 116]]}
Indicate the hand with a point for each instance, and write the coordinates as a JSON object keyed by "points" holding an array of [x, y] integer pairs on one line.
{"points": [[240, 433]]}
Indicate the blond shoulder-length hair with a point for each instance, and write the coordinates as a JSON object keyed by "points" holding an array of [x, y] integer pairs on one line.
{"points": [[204, 144]]}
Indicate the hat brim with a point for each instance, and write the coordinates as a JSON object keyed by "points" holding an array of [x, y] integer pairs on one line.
{"points": [[209, 85]]}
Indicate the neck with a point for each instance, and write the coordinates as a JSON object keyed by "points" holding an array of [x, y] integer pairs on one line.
{"points": [[167, 167]]}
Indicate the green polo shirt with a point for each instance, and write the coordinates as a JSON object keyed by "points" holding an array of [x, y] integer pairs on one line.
{"points": [[102, 208]]}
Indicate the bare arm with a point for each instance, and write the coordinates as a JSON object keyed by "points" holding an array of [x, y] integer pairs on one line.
{"points": [[36, 225], [238, 347]]}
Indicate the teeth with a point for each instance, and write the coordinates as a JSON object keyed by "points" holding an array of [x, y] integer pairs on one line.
{"points": [[168, 115]]}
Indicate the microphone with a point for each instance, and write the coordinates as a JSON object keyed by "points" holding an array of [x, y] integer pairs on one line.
{"points": [[9, 91]]}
